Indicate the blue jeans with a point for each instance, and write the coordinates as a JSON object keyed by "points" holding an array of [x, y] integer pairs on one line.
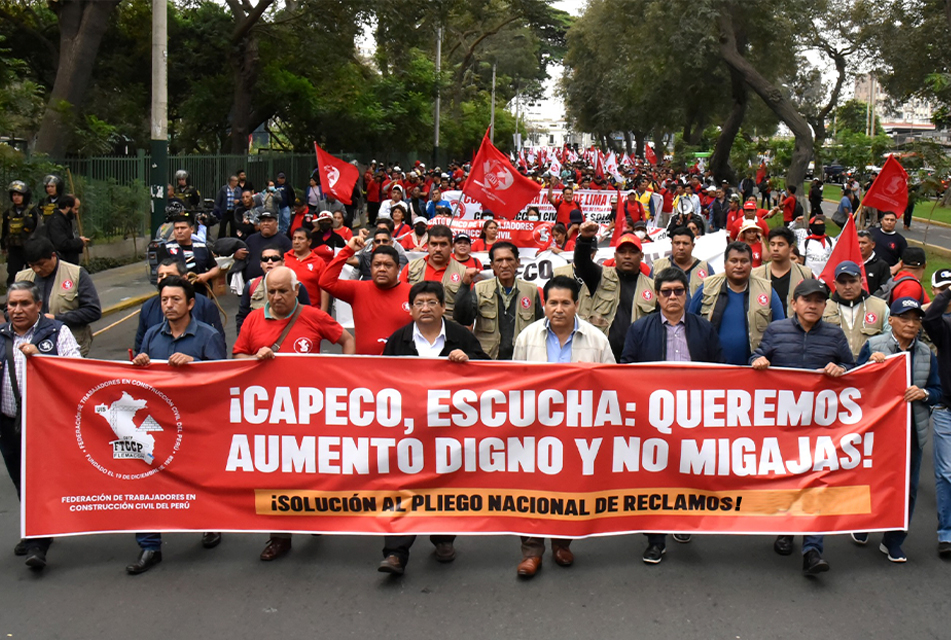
{"points": [[942, 470], [284, 222], [810, 543], [914, 472], [149, 541]]}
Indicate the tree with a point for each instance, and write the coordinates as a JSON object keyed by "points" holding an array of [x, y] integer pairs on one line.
{"points": [[245, 65], [82, 24]]}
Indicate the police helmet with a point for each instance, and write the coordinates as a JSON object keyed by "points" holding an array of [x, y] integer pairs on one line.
{"points": [[181, 173], [18, 186]]}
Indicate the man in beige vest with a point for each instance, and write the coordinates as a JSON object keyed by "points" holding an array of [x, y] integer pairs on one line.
{"points": [[67, 290], [851, 308], [739, 304], [438, 266], [681, 256], [621, 294], [500, 307], [782, 272]]}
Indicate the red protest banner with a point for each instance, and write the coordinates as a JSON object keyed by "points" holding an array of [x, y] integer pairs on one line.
{"points": [[494, 182], [314, 444], [337, 177], [889, 192]]}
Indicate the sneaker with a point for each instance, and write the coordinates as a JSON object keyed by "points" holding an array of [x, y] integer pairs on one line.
{"points": [[813, 564], [654, 554], [944, 549], [895, 554], [683, 538], [860, 538]]}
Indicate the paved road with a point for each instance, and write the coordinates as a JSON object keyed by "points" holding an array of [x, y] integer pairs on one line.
{"points": [[930, 234], [328, 587]]}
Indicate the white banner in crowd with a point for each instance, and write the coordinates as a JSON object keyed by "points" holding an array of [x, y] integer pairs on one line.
{"points": [[538, 267]]}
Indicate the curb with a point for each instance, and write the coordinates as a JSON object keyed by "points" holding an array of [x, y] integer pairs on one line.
{"points": [[131, 302], [930, 247]]}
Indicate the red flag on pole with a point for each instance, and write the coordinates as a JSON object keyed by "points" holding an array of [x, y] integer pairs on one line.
{"points": [[889, 192], [846, 248], [336, 176], [495, 183], [649, 154]]}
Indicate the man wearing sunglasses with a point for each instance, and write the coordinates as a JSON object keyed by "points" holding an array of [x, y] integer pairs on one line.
{"points": [[254, 295], [673, 335]]}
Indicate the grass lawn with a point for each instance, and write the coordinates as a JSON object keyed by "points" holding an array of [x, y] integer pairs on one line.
{"points": [[922, 209]]}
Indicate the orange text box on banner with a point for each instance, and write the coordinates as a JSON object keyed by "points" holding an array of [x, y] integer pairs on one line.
{"points": [[376, 445]]}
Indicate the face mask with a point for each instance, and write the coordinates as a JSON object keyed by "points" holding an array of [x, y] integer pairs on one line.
{"points": [[817, 229], [640, 234], [324, 225], [271, 189]]}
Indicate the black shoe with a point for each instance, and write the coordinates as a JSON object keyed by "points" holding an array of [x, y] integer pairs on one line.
{"points": [[944, 549], [36, 558], [683, 538], [391, 565], [654, 554], [148, 558], [445, 552], [783, 545], [813, 564], [210, 539], [20, 548]]}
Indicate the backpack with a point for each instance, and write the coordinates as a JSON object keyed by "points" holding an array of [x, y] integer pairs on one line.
{"points": [[798, 212], [886, 290]]}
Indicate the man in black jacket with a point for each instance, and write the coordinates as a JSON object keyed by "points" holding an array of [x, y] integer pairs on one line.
{"points": [[59, 229], [804, 341], [429, 335], [675, 336], [877, 271]]}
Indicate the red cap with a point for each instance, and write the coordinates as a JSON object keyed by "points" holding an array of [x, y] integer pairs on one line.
{"points": [[749, 205], [629, 238]]}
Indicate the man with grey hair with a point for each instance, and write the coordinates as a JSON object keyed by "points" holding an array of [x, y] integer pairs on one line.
{"points": [[28, 333], [284, 323]]}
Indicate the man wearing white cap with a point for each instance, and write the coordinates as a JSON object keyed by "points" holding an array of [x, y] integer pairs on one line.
{"points": [[396, 196], [419, 238]]}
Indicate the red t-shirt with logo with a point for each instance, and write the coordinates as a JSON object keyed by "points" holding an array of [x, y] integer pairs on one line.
{"points": [[377, 312], [312, 326], [308, 272], [564, 210]]}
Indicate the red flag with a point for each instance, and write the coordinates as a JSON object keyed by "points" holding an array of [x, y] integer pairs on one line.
{"points": [[599, 165], [495, 183], [649, 154], [889, 192], [846, 248], [620, 219], [336, 176]]}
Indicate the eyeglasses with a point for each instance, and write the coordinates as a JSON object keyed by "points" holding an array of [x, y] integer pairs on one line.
{"points": [[272, 259], [380, 241], [423, 304], [666, 293]]}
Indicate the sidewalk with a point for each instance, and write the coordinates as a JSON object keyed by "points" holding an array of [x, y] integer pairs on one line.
{"points": [[123, 287]]}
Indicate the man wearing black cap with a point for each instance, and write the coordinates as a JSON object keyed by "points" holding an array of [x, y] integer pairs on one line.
{"points": [[938, 326], [907, 279], [804, 341], [858, 314], [620, 295], [195, 255], [924, 393], [461, 247], [256, 242], [889, 244]]}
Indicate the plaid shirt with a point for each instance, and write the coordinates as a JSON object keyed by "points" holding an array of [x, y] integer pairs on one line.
{"points": [[65, 346]]}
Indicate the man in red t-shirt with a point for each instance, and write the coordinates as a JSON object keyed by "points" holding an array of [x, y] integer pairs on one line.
{"points": [[263, 328], [789, 205], [910, 270], [563, 205], [749, 212], [381, 304]]}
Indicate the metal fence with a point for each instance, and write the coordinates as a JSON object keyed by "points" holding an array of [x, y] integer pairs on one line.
{"points": [[102, 208]]}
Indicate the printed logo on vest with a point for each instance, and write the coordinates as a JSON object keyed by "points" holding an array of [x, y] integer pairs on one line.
{"points": [[455, 277], [67, 285], [870, 318], [763, 299], [46, 346], [648, 295], [701, 274], [526, 303]]}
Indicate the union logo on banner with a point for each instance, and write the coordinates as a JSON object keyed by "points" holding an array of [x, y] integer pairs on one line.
{"points": [[127, 429]]}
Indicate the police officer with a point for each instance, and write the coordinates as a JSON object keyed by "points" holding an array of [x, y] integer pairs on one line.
{"points": [[185, 192], [19, 222], [29, 332], [53, 185]]}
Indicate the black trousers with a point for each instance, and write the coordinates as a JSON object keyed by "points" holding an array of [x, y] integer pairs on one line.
{"points": [[399, 545], [10, 449], [15, 263], [227, 222]]}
